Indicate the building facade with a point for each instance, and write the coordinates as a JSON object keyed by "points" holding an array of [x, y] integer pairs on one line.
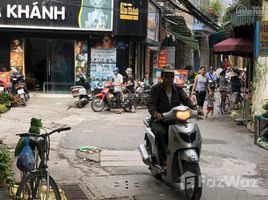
{"points": [[51, 41]]}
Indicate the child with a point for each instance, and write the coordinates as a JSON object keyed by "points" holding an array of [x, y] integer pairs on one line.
{"points": [[210, 104]]}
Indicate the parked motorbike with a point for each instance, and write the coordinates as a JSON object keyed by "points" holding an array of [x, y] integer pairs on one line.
{"points": [[19, 88], [81, 92], [2, 86], [142, 93], [106, 97], [184, 146]]}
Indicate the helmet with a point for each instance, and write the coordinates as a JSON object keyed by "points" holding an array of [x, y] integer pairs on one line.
{"points": [[116, 69], [128, 71]]}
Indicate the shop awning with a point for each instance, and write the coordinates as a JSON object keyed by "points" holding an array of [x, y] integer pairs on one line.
{"points": [[235, 46], [188, 41], [215, 38]]}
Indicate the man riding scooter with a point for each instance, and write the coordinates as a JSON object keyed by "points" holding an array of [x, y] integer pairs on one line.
{"points": [[163, 97]]}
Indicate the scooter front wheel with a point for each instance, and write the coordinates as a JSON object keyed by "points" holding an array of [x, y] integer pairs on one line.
{"points": [[192, 189], [97, 104]]}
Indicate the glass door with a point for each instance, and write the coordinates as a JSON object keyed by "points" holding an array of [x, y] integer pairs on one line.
{"points": [[60, 69]]}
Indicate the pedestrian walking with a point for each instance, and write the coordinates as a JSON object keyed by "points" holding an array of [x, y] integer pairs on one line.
{"points": [[200, 89], [130, 85]]}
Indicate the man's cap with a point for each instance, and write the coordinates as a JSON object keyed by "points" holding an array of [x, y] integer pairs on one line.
{"points": [[167, 69]]}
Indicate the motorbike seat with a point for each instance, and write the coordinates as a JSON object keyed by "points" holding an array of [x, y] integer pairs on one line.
{"points": [[77, 87], [147, 121]]}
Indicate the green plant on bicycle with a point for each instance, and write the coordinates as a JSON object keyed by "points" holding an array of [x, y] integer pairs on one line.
{"points": [[38, 184]]}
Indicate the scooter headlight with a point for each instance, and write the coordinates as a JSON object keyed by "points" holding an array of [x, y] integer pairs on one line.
{"points": [[183, 115]]}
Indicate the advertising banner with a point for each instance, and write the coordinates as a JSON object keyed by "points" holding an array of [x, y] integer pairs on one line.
{"points": [[17, 55], [80, 57], [93, 15], [181, 75], [103, 63], [162, 58], [153, 22], [262, 38]]}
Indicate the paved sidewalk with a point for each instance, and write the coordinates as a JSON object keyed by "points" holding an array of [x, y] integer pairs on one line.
{"points": [[227, 150]]}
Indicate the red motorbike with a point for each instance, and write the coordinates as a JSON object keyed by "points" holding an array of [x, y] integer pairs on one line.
{"points": [[106, 97]]}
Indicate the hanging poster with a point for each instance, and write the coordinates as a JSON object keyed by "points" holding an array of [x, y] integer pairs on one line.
{"points": [[153, 22], [96, 15], [17, 55], [181, 76], [103, 62], [80, 57]]}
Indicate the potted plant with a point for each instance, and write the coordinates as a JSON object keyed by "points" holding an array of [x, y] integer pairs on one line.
{"points": [[262, 127], [6, 172]]}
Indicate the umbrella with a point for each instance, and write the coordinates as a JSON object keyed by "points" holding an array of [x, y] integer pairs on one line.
{"points": [[235, 46], [232, 74]]}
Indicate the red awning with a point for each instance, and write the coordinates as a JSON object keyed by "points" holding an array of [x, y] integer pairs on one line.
{"points": [[235, 46]]}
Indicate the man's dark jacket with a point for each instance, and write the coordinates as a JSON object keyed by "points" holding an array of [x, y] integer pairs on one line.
{"points": [[158, 100]]}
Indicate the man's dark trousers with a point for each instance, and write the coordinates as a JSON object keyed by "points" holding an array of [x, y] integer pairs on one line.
{"points": [[160, 130]]}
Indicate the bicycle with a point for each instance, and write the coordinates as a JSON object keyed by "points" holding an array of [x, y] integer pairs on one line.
{"points": [[230, 101], [35, 184]]}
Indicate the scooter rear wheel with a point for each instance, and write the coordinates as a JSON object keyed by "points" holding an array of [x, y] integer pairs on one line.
{"points": [[97, 104], [192, 192]]}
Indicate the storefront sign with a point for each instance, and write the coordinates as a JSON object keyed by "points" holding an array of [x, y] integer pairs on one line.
{"points": [[103, 62], [162, 58], [153, 22], [262, 38], [95, 15], [130, 18], [128, 11]]}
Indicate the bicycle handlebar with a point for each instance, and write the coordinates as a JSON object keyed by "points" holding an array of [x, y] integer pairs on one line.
{"points": [[45, 134]]}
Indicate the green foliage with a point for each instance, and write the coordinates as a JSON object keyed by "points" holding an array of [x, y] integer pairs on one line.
{"points": [[36, 124], [3, 108], [188, 67], [6, 98], [265, 107], [216, 7], [6, 171]]}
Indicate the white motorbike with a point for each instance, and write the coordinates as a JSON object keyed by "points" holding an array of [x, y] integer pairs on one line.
{"points": [[81, 92], [184, 147]]}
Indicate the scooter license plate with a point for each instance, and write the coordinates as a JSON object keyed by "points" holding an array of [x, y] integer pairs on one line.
{"points": [[1, 88], [21, 91]]}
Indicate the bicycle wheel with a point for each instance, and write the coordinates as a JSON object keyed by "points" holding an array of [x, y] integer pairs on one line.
{"points": [[225, 104], [34, 187]]}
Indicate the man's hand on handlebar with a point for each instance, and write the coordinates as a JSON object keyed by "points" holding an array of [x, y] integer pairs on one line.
{"points": [[157, 116]]}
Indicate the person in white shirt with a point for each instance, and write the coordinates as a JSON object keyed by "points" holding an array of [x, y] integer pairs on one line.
{"points": [[117, 82]]}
